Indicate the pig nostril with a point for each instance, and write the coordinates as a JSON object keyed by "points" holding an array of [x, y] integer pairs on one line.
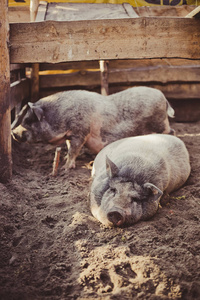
{"points": [[115, 217]]}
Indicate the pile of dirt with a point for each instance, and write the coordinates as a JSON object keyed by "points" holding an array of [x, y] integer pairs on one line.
{"points": [[51, 247]]}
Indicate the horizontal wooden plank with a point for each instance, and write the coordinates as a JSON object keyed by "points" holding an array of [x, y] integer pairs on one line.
{"points": [[133, 74], [14, 67], [195, 13], [171, 90], [137, 63], [180, 90], [19, 14], [105, 39], [164, 11], [41, 12], [81, 78], [76, 65], [86, 11], [119, 64], [19, 91]]}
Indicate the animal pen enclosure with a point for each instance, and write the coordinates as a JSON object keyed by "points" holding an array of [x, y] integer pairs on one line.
{"points": [[167, 59], [51, 247]]}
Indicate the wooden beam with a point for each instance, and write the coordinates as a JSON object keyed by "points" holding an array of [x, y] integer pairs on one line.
{"points": [[194, 13], [33, 9], [5, 117], [35, 82], [181, 91], [175, 92], [133, 38], [42, 10], [35, 67], [130, 10], [127, 72], [82, 65], [164, 11], [80, 78], [18, 14], [104, 77], [14, 67]]}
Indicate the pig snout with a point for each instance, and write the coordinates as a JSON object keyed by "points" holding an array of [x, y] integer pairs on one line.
{"points": [[20, 134], [116, 218]]}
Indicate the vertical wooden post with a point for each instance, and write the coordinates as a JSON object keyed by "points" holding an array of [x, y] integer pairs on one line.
{"points": [[35, 67], [35, 82], [5, 117], [33, 9], [104, 77]]}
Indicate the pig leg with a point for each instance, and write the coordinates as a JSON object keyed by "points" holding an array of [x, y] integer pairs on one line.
{"points": [[74, 146], [168, 129]]}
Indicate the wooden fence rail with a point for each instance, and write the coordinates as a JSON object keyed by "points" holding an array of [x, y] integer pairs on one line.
{"points": [[136, 38]]}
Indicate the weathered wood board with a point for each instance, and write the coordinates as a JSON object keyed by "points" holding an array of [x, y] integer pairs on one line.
{"points": [[164, 11], [19, 90], [5, 118], [127, 71], [19, 14], [87, 11], [54, 42]]}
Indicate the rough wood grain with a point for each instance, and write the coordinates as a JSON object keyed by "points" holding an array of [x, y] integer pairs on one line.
{"points": [[85, 11], [130, 10], [33, 9], [104, 77], [133, 72], [105, 39], [164, 11], [5, 118], [35, 82], [172, 91], [82, 65], [18, 14], [194, 13], [42, 11], [19, 91]]}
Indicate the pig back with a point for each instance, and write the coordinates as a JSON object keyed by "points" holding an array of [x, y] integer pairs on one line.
{"points": [[140, 102], [73, 110]]}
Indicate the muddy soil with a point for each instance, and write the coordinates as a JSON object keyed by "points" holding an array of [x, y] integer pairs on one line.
{"points": [[51, 247]]}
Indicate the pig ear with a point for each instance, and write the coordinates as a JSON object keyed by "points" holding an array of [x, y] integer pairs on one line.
{"points": [[154, 191], [19, 118], [38, 111], [111, 168]]}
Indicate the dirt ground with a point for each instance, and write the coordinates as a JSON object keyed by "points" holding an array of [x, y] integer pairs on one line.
{"points": [[52, 248]]}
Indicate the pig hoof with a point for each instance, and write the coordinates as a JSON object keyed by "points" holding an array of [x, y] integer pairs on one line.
{"points": [[172, 131], [68, 166]]}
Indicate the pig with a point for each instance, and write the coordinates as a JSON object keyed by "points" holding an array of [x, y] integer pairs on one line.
{"points": [[129, 177], [88, 118]]}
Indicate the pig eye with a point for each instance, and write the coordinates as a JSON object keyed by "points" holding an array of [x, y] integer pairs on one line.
{"points": [[133, 199], [29, 121], [113, 190]]}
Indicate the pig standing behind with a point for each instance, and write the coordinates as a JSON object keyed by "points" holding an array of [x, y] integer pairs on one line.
{"points": [[130, 176], [90, 119]]}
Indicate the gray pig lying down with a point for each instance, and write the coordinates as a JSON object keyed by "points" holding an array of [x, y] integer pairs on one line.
{"points": [[130, 176], [90, 119]]}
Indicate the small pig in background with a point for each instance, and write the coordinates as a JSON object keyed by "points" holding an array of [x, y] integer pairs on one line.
{"points": [[90, 119], [131, 174]]}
